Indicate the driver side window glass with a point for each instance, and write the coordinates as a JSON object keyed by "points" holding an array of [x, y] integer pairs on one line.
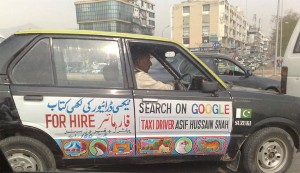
{"points": [[182, 65], [226, 67], [158, 72], [157, 66]]}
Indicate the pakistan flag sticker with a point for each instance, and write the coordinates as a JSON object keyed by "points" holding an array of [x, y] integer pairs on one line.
{"points": [[243, 113]]}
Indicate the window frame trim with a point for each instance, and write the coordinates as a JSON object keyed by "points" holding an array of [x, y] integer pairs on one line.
{"points": [[33, 42], [20, 55], [182, 50]]}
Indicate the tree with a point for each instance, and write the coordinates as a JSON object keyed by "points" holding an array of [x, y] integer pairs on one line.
{"points": [[289, 22]]}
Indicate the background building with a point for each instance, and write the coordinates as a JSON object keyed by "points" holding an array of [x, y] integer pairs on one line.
{"points": [[256, 41], [129, 16], [209, 25]]}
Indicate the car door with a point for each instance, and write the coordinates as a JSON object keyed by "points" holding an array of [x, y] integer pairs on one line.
{"points": [[61, 88], [231, 72], [172, 122]]}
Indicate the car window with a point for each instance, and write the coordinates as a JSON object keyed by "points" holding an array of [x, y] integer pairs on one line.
{"points": [[168, 64], [35, 67], [179, 63], [209, 62], [297, 46], [226, 67], [183, 65], [87, 63], [158, 72]]}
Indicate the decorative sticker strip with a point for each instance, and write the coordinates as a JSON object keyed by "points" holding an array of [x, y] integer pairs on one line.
{"points": [[75, 148], [183, 145], [155, 146], [121, 147], [211, 145], [98, 147]]}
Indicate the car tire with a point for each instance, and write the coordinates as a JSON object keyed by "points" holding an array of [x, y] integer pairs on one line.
{"points": [[272, 90], [268, 150], [27, 154]]}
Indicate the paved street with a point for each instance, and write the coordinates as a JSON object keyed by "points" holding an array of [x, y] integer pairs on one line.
{"points": [[268, 71], [207, 167]]}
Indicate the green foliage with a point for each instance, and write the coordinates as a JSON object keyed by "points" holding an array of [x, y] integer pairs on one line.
{"points": [[289, 22]]}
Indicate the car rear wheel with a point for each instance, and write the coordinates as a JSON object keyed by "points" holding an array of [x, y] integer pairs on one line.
{"points": [[27, 154], [268, 150], [272, 90]]}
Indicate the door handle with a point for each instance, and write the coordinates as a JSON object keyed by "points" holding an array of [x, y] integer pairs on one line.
{"points": [[149, 100], [33, 97]]}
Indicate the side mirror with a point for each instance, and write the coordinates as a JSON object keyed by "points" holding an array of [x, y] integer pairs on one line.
{"points": [[209, 86], [248, 73]]}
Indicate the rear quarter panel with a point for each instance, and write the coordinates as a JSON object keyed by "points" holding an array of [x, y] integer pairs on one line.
{"points": [[292, 61]]}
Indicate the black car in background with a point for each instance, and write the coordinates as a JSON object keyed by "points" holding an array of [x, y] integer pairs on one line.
{"points": [[233, 72], [228, 69]]}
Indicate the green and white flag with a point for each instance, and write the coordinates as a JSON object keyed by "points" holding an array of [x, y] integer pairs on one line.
{"points": [[243, 113]]}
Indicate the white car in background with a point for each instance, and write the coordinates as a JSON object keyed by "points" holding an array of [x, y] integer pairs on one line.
{"points": [[290, 73]]}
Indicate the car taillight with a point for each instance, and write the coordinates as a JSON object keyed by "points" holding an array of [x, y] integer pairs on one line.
{"points": [[284, 73]]}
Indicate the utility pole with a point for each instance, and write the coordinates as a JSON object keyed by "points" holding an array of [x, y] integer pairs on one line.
{"points": [[276, 42], [162, 32], [281, 21]]}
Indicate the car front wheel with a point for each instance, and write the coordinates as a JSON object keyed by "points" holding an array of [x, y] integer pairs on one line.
{"points": [[268, 150], [25, 154]]}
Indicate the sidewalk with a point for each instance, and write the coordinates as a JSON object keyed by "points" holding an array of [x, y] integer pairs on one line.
{"points": [[268, 72]]}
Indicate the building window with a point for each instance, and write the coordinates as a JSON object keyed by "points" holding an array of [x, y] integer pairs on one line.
{"points": [[152, 15], [186, 21], [150, 6], [205, 19], [205, 30], [206, 8], [226, 30], [186, 40], [151, 22], [205, 39], [186, 9], [186, 32]]}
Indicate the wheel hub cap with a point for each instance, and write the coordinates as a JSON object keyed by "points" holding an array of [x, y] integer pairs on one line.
{"points": [[271, 155], [22, 162]]}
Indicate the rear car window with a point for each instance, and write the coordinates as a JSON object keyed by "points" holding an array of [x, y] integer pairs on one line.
{"points": [[88, 63], [36, 66]]}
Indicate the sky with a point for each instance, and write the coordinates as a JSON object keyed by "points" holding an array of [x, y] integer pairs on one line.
{"points": [[61, 14]]}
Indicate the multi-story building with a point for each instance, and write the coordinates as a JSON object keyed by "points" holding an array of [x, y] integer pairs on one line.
{"points": [[256, 41], [209, 25], [143, 17], [129, 16]]}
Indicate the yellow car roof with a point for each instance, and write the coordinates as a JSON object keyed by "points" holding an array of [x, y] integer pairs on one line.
{"points": [[90, 32]]}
